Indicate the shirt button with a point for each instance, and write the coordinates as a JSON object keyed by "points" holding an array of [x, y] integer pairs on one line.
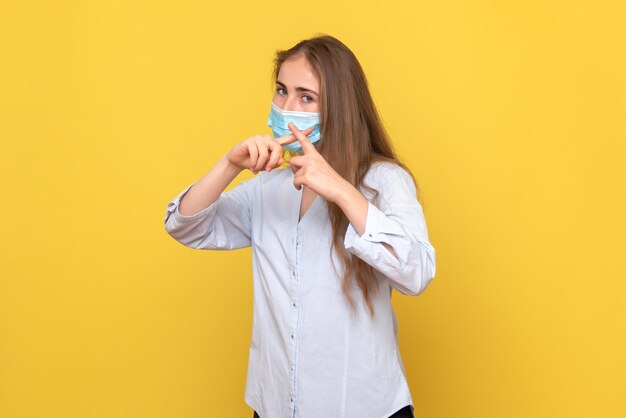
{"points": [[294, 304], [292, 336], [370, 235]]}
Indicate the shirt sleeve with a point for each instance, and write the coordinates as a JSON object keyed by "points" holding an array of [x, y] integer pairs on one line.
{"points": [[398, 220], [224, 225]]}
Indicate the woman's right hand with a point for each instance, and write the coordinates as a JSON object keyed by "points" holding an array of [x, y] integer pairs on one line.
{"points": [[260, 152]]}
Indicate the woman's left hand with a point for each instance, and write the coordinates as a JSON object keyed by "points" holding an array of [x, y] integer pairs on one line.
{"points": [[311, 170]]}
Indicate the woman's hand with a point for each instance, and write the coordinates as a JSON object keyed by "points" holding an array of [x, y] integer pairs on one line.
{"points": [[260, 152], [311, 170]]}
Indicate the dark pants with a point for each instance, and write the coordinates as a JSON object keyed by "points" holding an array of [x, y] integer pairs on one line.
{"points": [[402, 413]]}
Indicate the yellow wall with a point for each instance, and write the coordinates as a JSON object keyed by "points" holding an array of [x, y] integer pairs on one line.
{"points": [[510, 113]]}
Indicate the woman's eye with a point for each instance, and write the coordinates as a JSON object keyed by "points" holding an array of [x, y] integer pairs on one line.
{"points": [[279, 90], [308, 99]]}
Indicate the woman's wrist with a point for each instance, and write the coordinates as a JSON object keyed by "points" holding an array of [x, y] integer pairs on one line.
{"points": [[354, 205], [229, 167], [346, 193]]}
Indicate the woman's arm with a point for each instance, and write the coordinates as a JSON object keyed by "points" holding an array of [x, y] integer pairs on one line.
{"points": [[391, 237], [395, 220], [257, 153], [355, 206], [311, 169], [205, 191], [203, 216]]}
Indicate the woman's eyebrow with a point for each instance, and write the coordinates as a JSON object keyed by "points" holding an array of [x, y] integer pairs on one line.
{"points": [[298, 89]]}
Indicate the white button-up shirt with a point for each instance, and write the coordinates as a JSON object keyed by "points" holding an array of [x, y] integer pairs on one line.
{"points": [[309, 357]]}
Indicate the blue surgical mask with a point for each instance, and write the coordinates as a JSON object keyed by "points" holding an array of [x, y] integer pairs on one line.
{"points": [[279, 122]]}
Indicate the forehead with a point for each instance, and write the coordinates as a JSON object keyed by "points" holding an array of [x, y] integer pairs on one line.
{"points": [[297, 72]]}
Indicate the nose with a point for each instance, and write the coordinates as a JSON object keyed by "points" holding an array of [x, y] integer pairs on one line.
{"points": [[290, 103]]}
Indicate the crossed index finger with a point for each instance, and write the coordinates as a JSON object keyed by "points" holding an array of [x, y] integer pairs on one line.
{"points": [[305, 143], [289, 138]]}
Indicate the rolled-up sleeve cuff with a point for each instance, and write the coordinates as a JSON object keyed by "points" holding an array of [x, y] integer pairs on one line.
{"points": [[179, 218], [377, 229]]}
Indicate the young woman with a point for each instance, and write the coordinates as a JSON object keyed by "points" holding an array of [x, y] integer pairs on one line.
{"points": [[332, 234]]}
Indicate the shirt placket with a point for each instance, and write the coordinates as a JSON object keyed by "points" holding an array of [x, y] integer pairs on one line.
{"points": [[296, 242]]}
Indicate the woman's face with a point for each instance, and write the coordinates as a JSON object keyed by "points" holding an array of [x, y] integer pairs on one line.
{"points": [[297, 88]]}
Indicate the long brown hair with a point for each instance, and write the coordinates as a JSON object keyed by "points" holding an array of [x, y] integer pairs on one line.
{"points": [[353, 137]]}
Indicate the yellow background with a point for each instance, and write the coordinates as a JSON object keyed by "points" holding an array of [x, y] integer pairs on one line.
{"points": [[511, 115]]}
